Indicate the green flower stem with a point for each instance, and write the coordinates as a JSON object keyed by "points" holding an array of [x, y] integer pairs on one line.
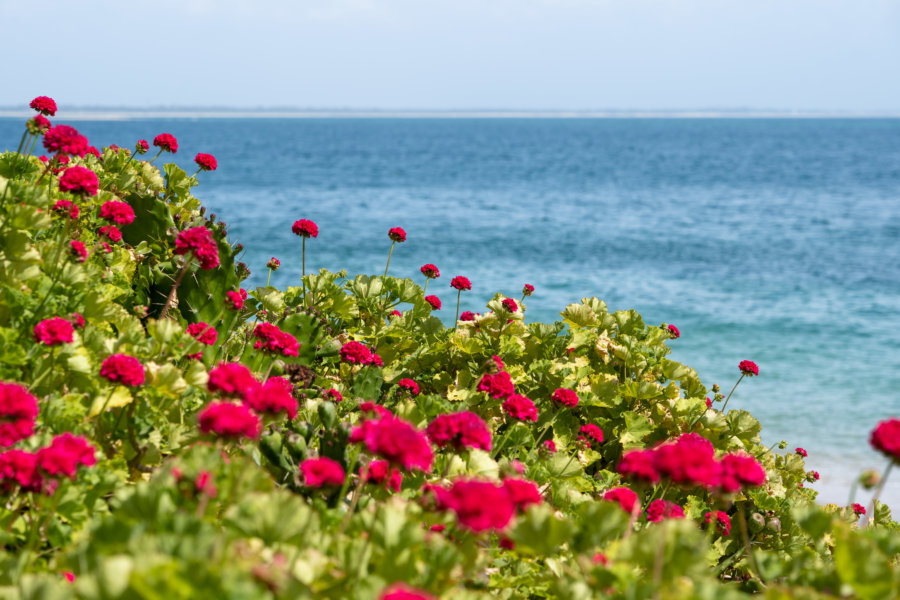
{"points": [[171, 297], [389, 259], [458, 294], [503, 441], [58, 271], [22, 141], [425, 287], [354, 500], [268, 277], [31, 148], [53, 352], [157, 155], [732, 391], [197, 173], [871, 516], [537, 442]]}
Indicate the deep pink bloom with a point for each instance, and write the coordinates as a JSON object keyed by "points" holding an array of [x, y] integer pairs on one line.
{"points": [[434, 301], [801, 452], [201, 243], [661, 509], [690, 461], [333, 395], [269, 338], [479, 505], [65, 454], [44, 105], [273, 397], [510, 305], [322, 472], [520, 407], [38, 125], [167, 142], [673, 331], [19, 468], [64, 207], [235, 300], [401, 591], [70, 577], [18, 411], [708, 402], [141, 147], [381, 472], [77, 320], [203, 333], [430, 271], [528, 289], [625, 497], [229, 420], [305, 228], [376, 410], [93, 150], [396, 441], [813, 475], [639, 465], [232, 379], [723, 523], [54, 331], [396, 313], [738, 471], [886, 438], [62, 139], [858, 509], [467, 315], [748, 367], [117, 212], [79, 180], [77, 249], [460, 283], [459, 430], [112, 232], [124, 369], [356, 353], [397, 234], [565, 397], [498, 385], [522, 492], [204, 484], [550, 446], [410, 386], [206, 162], [273, 264], [591, 433]]}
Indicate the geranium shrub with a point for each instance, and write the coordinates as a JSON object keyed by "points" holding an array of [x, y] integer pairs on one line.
{"points": [[168, 434]]}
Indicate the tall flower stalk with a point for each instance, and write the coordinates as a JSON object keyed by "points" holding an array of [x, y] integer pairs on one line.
{"points": [[197, 242], [460, 283], [748, 369], [397, 235], [305, 229]]}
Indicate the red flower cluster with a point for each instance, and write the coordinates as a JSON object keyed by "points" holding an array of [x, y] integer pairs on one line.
{"points": [[273, 264], [886, 438], [77, 320], [236, 299], [510, 305], [459, 430], [723, 523], [64, 455], [410, 386], [78, 250], [112, 232], [167, 142], [274, 396], [591, 434], [356, 353], [141, 147], [54, 331], [467, 315], [522, 492], [661, 509], [401, 591], [434, 301], [800, 452], [380, 472], [19, 468], [395, 440], [430, 271], [528, 289], [203, 333], [639, 465], [333, 395], [748, 367], [269, 338], [230, 420], [18, 411], [206, 162], [44, 105], [117, 212], [461, 283], [322, 472], [479, 505], [690, 461], [124, 369], [738, 471], [79, 180], [520, 407], [38, 125], [858, 509], [565, 397], [305, 228], [625, 497], [199, 241], [550, 446], [497, 385], [64, 140], [673, 331], [66, 206], [231, 379], [397, 234]]}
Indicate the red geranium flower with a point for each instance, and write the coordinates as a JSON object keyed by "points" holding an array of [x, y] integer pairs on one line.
{"points": [[625, 497], [203, 333], [274, 396], [356, 353], [230, 420], [117, 211], [305, 228], [273, 264], [397, 234], [565, 397], [434, 301], [396, 441], [333, 395], [232, 379], [886, 438], [639, 465], [410, 386], [510, 305], [44, 105], [479, 505], [236, 299], [64, 207], [467, 315], [748, 367], [690, 461], [527, 290], [593, 432], [381, 472], [64, 455], [550, 446], [430, 271], [63, 139], [141, 147], [460, 430], [18, 411], [661, 509], [54, 331], [77, 248], [673, 331], [723, 523], [271, 339], [112, 232], [522, 492], [167, 142], [461, 283], [38, 125], [740, 470], [124, 369], [801, 452], [858, 509], [520, 407], [498, 385], [77, 320], [322, 472], [206, 162], [79, 180], [401, 591], [18, 467], [200, 242]]}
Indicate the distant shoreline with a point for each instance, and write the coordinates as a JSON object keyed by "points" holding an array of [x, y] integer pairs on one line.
{"points": [[101, 114]]}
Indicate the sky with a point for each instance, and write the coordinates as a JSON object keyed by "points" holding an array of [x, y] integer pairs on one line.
{"points": [[831, 55]]}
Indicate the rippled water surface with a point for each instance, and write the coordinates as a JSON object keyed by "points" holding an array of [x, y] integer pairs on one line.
{"points": [[772, 240]]}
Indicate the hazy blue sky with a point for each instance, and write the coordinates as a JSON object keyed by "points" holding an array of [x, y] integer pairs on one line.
{"points": [[448, 54]]}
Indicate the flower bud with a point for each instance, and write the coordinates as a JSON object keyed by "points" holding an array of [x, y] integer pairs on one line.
{"points": [[757, 522], [782, 444], [527, 290], [273, 264], [869, 479], [773, 525], [715, 388]]}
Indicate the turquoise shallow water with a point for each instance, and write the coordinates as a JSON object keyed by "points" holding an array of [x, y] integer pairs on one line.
{"points": [[771, 240]]}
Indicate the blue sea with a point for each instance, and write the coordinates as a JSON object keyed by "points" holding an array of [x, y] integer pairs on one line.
{"points": [[773, 240]]}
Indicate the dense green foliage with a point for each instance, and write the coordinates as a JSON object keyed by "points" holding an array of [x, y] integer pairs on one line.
{"points": [[144, 522]]}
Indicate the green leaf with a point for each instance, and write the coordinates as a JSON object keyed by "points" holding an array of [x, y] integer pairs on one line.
{"points": [[540, 532], [861, 565]]}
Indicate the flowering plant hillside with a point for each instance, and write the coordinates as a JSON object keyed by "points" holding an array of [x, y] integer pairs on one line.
{"points": [[166, 433]]}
